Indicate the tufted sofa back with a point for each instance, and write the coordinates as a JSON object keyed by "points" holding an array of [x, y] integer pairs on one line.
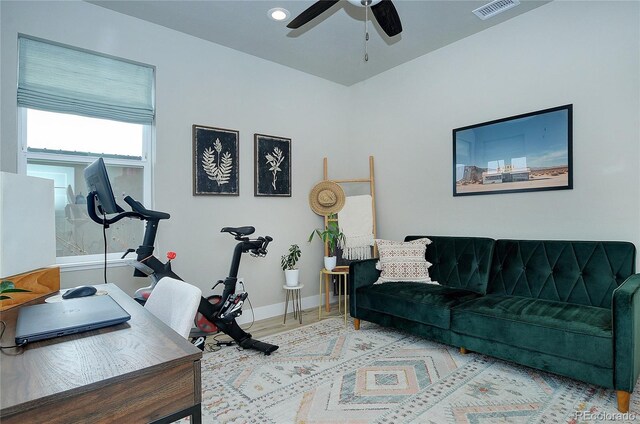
{"points": [[460, 262], [582, 272]]}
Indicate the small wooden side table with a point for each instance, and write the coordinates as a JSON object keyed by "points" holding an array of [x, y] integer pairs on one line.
{"points": [[342, 272], [293, 293]]}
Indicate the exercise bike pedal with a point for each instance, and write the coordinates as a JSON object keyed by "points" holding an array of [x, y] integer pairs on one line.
{"points": [[199, 342]]}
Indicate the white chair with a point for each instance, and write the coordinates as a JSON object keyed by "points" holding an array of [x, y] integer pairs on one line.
{"points": [[175, 303]]}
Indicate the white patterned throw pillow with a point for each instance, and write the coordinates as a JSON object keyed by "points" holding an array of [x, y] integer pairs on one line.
{"points": [[403, 261]]}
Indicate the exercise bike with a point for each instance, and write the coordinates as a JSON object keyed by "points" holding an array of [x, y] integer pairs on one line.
{"points": [[215, 313]]}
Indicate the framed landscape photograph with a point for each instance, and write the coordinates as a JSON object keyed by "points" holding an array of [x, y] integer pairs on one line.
{"points": [[272, 166], [215, 161], [528, 152]]}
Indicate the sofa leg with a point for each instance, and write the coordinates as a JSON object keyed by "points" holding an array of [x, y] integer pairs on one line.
{"points": [[623, 400], [464, 350], [356, 323]]}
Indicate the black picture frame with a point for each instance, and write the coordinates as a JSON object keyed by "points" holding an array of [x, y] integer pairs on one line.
{"points": [[216, 161], [522, 153], [272, 166]]}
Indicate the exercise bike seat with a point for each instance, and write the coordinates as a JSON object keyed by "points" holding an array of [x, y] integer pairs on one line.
{"points": [[239, 231], [147, 213]]}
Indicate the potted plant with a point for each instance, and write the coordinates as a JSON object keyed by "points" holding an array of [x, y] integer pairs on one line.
{"points": [[288, 263], [332, 236]]}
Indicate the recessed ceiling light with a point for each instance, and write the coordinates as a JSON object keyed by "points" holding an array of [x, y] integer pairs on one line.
{"points": [[278, 14]]}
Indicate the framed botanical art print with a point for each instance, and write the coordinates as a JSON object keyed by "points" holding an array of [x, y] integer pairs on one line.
{"points": [[215, 161], [272, 166]]}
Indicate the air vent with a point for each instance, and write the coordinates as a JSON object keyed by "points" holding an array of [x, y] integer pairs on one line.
{"points": [[495, 7]]}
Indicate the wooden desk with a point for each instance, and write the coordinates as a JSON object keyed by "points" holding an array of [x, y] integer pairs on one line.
{"points": [[140, 371]]}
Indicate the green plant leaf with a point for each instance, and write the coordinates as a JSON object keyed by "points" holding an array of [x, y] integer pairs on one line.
{"points": [[330, 235], [289, 261], [15, 291], [8, 287], [6, 284]]}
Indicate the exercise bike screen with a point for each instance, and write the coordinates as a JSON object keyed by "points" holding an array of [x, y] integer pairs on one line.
{"points": [[97, 181]]}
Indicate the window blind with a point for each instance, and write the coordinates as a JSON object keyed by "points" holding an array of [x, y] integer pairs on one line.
{"points": [[62, 79]]}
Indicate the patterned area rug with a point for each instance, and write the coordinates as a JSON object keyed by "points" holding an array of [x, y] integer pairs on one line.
{"points": [[328, 373]]}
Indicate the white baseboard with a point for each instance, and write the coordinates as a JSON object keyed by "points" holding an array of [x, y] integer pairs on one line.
{"points": [[274, 310]]}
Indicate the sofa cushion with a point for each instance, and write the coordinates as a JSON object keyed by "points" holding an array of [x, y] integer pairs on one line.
{"points": [[582, 272], [562, 329], [459, 262], [425, 303]]}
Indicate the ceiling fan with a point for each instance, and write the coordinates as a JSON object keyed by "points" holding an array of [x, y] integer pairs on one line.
{"points": [[383, 10]]}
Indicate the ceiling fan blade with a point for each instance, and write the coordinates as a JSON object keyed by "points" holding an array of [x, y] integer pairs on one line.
{"points": [[312, 12], [387, 16]]}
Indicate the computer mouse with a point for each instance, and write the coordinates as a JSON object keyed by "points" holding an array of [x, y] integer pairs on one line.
{"points": [[81, 291]]}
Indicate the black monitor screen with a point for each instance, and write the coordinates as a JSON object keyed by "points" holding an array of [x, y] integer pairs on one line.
{"points": [[97, 181]]}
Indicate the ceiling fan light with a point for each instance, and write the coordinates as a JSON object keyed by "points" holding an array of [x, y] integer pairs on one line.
{"points": [[278, 14], [361, 3]]}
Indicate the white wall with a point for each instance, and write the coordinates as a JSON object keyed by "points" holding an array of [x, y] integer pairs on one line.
{"points": [[200, 83], [585, 53], [27, 227]]}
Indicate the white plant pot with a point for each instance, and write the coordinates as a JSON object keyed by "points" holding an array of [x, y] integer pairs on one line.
{"points": [[330, 262], [291, 277]]}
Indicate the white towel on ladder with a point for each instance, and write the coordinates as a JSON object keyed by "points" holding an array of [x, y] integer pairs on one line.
{"points": [[356, 223]]}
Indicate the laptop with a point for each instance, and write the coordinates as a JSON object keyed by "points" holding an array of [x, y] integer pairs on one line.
{"points": [[71, 316]]}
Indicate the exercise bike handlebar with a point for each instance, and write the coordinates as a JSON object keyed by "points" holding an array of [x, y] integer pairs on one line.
{"points": [[137, 211], [262, 250], [91, 210]]}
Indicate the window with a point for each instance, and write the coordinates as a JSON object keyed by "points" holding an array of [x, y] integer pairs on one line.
{"points": [[66, 121], [59, 146]]}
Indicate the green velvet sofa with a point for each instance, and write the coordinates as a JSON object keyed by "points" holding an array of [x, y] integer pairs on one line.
{"points": [[566, 307]]}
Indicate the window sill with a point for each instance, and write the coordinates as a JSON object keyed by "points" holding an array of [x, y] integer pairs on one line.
{"points": [[89, 265]]}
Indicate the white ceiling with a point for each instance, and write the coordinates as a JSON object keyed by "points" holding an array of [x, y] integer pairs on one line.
{"points": [[332, 45]]}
